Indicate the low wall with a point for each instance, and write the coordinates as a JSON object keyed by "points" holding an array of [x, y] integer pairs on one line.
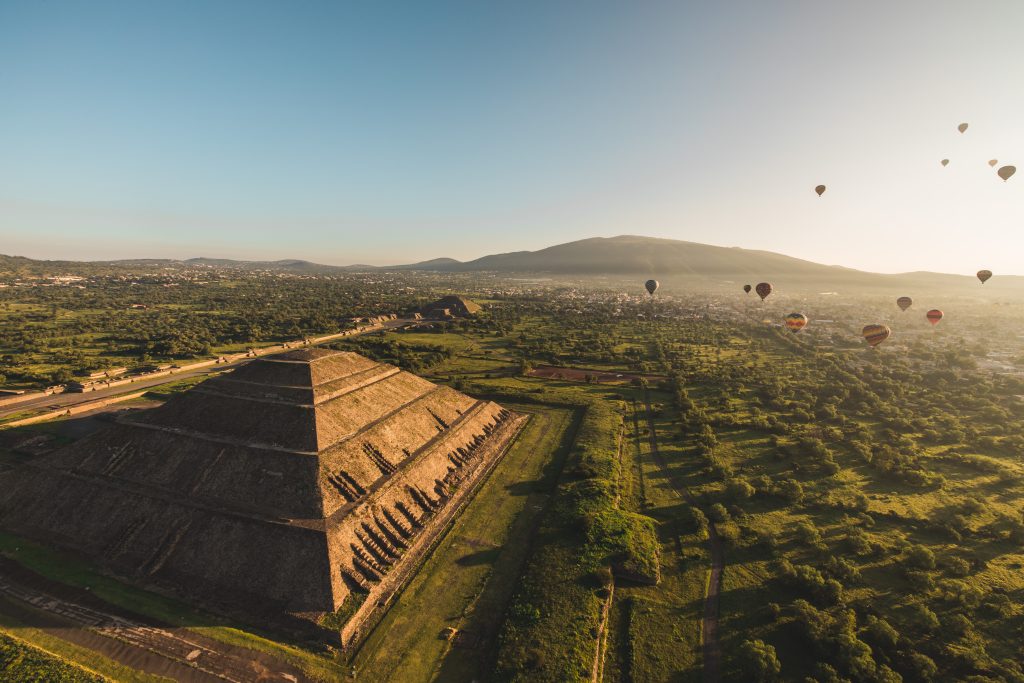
{"points": [[73, 410], [29, 396]]}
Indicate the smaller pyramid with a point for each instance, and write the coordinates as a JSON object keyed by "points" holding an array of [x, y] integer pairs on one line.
{"points": [[451, 306], [279, 487]]}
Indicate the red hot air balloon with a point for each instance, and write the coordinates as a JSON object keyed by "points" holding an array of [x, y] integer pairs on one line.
{"points": [[934, 316], [796, 322], [904, 302], [763, 289], [747, 288], [651, 286], [820, 189], [875, 334], [984, 275]]}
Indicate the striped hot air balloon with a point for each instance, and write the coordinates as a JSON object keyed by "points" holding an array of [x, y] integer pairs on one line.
{"points": [[875, 334], [796, 321], [763, 289], [934, 316], [904, 302]]}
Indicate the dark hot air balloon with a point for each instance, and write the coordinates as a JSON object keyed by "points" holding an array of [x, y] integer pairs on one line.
{"points": [[763, 289], [934, 316], [820, 189], [962, 127], [875, 334], [796, 321], [747, 288], [993, 162], [652, 286], [904, 302], [984, 275], [1006, 171], [944, 162]]}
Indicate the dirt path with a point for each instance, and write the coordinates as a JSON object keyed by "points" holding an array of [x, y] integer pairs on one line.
{"points": [[712, 653], [178, 653]]}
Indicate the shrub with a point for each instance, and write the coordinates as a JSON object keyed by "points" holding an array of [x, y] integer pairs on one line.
{"points": [[759, 661]]}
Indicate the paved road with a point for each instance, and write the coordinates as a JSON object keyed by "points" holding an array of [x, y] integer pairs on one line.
{"points": [[712, 653], [70, 399]]}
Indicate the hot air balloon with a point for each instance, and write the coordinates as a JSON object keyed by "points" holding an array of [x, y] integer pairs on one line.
{"points": [[962, 127], [904, 302], [652, 286], [763, 289], [1006, 171], [875, 334], [747, 288], [993, 162], [934, 316], [796, 321], [984, 275], [944, 162], [820, 189]]}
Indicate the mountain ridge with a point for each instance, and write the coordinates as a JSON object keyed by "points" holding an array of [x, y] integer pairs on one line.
{"points": [[623, 255]]}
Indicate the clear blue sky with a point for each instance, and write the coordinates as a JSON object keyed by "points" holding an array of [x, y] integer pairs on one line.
{"points": [[388, 132]]}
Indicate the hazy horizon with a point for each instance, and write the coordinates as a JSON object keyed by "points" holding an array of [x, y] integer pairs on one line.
{"points": [[391, 135]]}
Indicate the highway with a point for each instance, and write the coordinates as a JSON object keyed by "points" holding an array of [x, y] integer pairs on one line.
{"points": [[62, 401]]}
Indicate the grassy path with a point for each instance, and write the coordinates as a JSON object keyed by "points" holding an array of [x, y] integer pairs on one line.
{"points": [[470, 576], [711, 650]]}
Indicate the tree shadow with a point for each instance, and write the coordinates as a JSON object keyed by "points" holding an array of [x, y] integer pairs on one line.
{"points": [[479, 557]]}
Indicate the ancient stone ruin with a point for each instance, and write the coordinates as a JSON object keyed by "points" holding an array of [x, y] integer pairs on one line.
{"points": [[285, 486], [451, 307]]}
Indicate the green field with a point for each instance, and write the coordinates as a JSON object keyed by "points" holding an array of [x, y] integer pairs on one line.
{"points": [[869, 504]]}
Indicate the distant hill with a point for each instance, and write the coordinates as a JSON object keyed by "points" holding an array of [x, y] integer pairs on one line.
{"points": [[632, 255], [670, 261], [679, 261]]}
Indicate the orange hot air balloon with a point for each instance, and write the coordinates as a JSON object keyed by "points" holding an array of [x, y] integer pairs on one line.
{"points": [[747, 288], [875, 334], [984, 275], [934, 316], [820, 189], [944, 162], [763, 289], [1006, 171], [651, 286], [962, 127], [993, 162], [796, 322], [904, 302]]}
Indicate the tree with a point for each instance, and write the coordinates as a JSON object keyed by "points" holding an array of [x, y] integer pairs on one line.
{"points": [[921, 557], [791, 490], [759, 661], [923, 667]]}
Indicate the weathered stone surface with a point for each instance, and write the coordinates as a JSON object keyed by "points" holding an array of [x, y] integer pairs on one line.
{"points": [[283, 485]]}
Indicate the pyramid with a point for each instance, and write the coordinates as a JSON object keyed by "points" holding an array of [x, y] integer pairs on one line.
{"points": [[283, 486]]}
